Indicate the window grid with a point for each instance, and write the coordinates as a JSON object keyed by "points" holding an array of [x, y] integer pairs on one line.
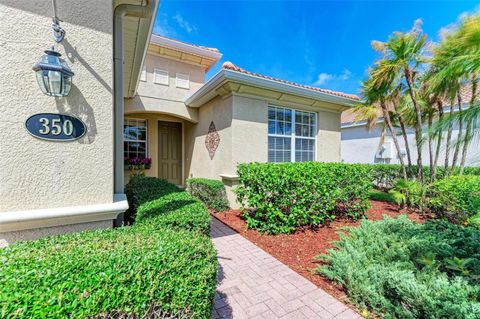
{"points": [[291, 135], [135, 138], [160, 77], [182, 81]]}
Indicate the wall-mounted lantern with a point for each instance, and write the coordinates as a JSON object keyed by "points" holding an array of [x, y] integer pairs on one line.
{"points": [[54, 76]]}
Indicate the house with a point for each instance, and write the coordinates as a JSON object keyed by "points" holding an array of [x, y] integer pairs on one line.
{"points": [[375, 145], [135, 94]]}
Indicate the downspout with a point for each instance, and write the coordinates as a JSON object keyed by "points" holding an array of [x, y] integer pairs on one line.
{"points": [[140, 11]]}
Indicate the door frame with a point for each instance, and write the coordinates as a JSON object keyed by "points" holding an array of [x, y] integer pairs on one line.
{"points": [[182, 141]]}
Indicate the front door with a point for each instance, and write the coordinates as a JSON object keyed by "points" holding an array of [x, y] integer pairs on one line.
{"points": [[170, 151]]}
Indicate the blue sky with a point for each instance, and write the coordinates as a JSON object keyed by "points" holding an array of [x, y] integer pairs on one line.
{"points": [[319, 43]]}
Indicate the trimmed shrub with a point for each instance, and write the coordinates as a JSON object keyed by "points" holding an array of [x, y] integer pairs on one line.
{"points": [[141, 189], [456, 197], [211, 192], [401, 269], [381, 196], [164, 262], [126, 269], [278, 198]]}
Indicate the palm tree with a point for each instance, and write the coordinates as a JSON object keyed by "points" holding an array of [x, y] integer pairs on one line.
{"points": [[377, 95], [403, 57]]}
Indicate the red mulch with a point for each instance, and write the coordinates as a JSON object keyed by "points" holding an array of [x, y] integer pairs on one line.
{"points": [[298, 250]]}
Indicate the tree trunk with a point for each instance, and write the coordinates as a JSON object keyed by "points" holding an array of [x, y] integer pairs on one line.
{"points": [[405, 139], [449, 137], [418, 124], [439, 139], [469, 130], [430, 146], [460, 132], [386, 116]]}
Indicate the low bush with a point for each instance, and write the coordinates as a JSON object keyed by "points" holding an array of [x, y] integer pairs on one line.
{"points": [[165, 261], [277, 198], [127, 270], [141, 189], [384, 176], [409, 193], [211, 192], [401, 269], [381, 196], [456, 197]]}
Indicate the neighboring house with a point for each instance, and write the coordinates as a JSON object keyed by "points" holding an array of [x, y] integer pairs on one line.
{"points": [[134, 94], [195, 129], [360, 145]]}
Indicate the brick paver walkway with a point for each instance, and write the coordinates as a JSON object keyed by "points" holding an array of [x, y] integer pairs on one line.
{"points": [[253, 284]]}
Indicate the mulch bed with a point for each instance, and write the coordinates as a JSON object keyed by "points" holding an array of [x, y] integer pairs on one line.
{"points": [[298, 250]]}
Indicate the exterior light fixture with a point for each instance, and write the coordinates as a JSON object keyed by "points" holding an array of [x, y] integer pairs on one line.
{"points": [[54, 76]]}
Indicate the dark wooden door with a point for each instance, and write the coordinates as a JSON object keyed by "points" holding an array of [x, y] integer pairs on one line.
{"points": [[170, 151]]}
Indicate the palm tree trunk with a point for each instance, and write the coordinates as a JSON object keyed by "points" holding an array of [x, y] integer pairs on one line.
{"points": [[449, 137], [439, 139], [460, 131], [430, 146], [469, 129], [386, 116], [405, 139], [418, 124]]}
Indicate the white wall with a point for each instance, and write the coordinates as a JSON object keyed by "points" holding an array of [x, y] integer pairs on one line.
{"points": [[360, 146]]}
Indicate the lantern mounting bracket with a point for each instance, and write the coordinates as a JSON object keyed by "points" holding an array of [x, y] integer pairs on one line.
{"points": [[58, 31]]}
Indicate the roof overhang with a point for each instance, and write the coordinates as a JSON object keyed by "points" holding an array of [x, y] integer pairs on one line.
{"points": [[229, 81], [136, 36], [177, 50]]}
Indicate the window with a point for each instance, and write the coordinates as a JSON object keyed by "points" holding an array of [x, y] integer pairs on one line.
{"points": [[183, 81], [291, 135], [143, 75], [160, 77], [134, 138]]}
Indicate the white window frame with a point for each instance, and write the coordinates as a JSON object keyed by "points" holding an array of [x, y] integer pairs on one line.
{"points": [[143, 74], [293, 135], [187, 76], [165, 73], [146, 133]]}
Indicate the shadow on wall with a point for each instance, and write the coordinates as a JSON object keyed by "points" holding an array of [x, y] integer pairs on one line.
{"points": [[73, 57], [75, 104]]}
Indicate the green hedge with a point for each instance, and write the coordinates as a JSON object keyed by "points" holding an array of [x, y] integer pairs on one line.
{"points": [[211, 192], [165, 260], [456, 197], [278, 198], [401, 269], [384, 176]]}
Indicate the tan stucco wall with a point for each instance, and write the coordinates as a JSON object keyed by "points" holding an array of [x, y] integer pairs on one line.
{"points": [[219, 111], [170, 92], [242, 122], [39, 174]]}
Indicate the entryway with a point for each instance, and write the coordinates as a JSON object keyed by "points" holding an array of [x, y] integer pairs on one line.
{"points": [[170, 151]]}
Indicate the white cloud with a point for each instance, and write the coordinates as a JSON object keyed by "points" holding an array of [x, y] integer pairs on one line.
{"points": [[184, 24], [324, 78]]}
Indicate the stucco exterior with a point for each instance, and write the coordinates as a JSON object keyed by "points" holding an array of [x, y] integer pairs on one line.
{"points": [[361, 146], [50, 187]]}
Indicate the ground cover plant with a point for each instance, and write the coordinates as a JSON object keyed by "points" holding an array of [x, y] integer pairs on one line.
{"points": [[402, 269], [278, 198], [164, 261], [211, 192]]}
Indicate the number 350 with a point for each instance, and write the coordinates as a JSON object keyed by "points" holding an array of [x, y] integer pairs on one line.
{"points": [[55, 127]]}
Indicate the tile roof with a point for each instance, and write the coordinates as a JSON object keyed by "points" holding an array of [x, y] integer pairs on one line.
{"points": [[230, 66], [350, 116]]}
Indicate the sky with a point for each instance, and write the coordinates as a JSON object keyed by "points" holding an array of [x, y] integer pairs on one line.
{"points": [[325, 44]]}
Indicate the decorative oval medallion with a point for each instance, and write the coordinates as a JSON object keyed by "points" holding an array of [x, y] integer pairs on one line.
{"points": [[55, 127]]}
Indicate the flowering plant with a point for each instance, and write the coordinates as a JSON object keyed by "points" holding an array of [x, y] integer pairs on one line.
{"points": [[137, 164]]}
